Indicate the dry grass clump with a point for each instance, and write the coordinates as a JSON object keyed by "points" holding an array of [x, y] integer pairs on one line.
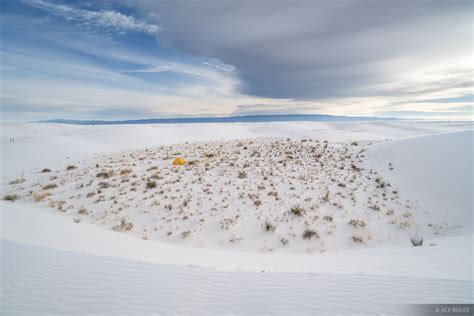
{"points": [[70, 167], [18, 181], [357, 223], [269, 227], [242, 175], [297, 210], [416, 241], [357, 239], [309, 233], [105, 174], [186, 234], [41, 196], [123, 226], [126, 171], [50, 186], [45, 170], [11, 197], [151, 184], [328, 218]]}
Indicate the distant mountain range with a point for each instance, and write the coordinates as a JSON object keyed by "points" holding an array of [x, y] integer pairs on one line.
{"points": [[227, 119]]}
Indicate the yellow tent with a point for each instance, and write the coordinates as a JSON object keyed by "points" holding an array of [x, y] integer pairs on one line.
{"points": [[179, 161]]}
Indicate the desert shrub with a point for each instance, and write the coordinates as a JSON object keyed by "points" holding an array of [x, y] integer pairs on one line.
{"points": [[104, 185], [308, 234], [357, 223], [355, 168], [105, 174], [355, 144], [269, 227], [123, 225], [297, 210], [45, 170], [41, 196], [186, 234], [380, 183], [126, 171], [50, 186], [416, 241], [242, 175], [83, 210], [18, 181], [151, 184], [11, 197], [357, 239], [328, 218], [70, 167]]}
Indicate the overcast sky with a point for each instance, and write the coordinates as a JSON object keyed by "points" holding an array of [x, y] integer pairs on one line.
{"points": [[149, 58]]}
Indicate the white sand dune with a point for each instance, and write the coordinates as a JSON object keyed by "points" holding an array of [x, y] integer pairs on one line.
{"points": [[43, 281], [88, 269]]}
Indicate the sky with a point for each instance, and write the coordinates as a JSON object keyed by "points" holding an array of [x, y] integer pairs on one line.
{"points": [[131, 59]]}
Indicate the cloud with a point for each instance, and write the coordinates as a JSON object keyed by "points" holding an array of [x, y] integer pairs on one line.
{"points": [[105, 18], [318, 49]]}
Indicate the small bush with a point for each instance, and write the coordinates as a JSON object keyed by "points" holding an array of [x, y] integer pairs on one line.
{"points": [[357, 239], [18, 181], [50, 186], [242, 175], [328, 218], [104, 185], [357, 223], [308, 234], [269, 227], [45, 170], [355, 144], [11, 197], [105, 175], [416, 241], [126, 171], [123, 225], [297, 210], [71, 167], [151, 184], [41, 196]]}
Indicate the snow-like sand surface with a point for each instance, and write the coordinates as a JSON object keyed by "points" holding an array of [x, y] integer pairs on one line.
{"points": [[51, 264]]}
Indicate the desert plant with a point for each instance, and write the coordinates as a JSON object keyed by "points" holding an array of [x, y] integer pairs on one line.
{"points": [[105, 174], [416, 241], [11, 197], [18, 181], [297, 210], [308, 234], [70, 167], [269, 227], [242, 175], [357, 239], [151, 184], [357, 223], [50, 186], [126, 171], [41, 196], [45, 170], [328, 218]]}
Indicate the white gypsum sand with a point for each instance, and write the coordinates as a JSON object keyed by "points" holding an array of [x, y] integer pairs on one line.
{"points": [[443, 219]]}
